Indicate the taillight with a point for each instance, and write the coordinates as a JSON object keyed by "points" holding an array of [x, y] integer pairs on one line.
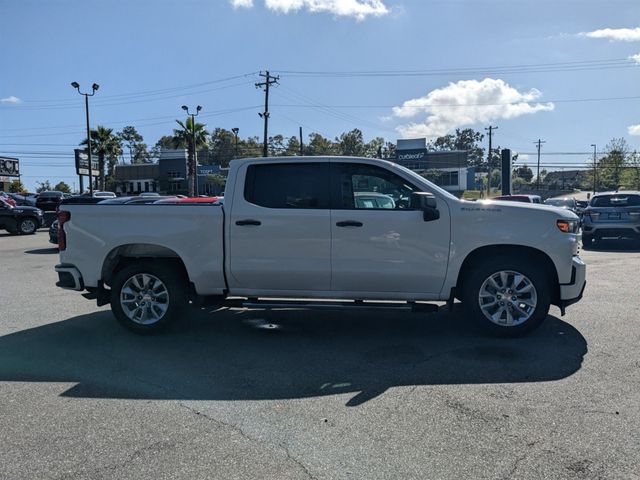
{"points": [[63, 216]]}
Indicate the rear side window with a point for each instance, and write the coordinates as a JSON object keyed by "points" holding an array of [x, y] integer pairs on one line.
{"points": [[288, 185], [620, 200]]}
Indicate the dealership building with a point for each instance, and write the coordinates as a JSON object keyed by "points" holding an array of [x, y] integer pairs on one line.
{"points": [[168, 176], [446, 168], [9, 171]]}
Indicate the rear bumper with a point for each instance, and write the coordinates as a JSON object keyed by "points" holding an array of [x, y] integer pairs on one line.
{"points": [[571, 293], [69, 277]]}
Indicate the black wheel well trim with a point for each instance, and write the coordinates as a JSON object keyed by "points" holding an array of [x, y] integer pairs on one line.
{"points": [[485, 251]]}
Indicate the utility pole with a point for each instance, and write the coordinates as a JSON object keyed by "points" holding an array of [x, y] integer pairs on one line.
{"points": [[595, 169], [539, 144], [193, 161], [94, 89], [269, 80], [490, 129], [301, 144]]}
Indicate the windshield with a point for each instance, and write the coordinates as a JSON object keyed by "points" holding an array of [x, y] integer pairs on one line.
{"points": [[617, 200]]}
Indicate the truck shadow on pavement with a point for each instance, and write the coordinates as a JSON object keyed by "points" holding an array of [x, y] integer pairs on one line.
{"points": [[258, 355]]}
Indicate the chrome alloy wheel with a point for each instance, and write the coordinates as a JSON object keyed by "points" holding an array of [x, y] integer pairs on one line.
{"points": [[28, 226], [144, 298], [507, 298]]}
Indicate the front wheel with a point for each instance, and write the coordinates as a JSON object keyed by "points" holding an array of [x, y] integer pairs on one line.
{"points": [[509, 298], [147, 296], [27, 226]]}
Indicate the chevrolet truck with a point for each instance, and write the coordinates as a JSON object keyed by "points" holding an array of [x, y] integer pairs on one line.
{"points": [[336, 232]]}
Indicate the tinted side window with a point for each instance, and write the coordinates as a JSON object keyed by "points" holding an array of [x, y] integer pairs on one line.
{"points": [[357, 186], [288, 185]]}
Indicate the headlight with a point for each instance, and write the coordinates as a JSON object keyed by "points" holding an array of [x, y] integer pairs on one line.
{"points": [[567, 226]]}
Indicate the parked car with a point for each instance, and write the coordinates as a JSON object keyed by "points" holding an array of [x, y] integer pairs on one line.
{"points": [[569, 203], [611, 215], [99, 194], [48, 201], [7, 198], [519, 198], [53, 232], [186, 200], [292, 228], [22, 220], [149, 194]]}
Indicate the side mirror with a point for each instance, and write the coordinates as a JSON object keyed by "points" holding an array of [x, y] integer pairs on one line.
{"points": [[427, 203]]}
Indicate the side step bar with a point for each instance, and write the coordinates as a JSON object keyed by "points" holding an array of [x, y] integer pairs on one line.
{"points": [[329, 305]]}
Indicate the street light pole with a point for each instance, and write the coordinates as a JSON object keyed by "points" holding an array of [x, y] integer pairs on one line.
{"points": [[235, 131], [94, 89], [193, 169], [595, 169]]}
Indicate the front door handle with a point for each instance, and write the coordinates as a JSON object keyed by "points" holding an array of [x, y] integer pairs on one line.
{"points": [[349, 223], [243, 223]]}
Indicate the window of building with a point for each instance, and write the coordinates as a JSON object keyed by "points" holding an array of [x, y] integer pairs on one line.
{"points": [[139, 187], [146, 186], [358, 186], [288, 185], [174, 186]]}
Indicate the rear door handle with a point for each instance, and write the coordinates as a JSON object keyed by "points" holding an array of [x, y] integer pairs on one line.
{"points": [[243, 223], [349, 223]]}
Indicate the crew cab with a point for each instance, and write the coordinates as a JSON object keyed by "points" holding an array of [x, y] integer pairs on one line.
{"points": [[23, 220], [294, 228]]}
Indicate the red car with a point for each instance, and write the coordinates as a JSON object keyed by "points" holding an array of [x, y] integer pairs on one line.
{"points": [[174, 201], [8, 199]]}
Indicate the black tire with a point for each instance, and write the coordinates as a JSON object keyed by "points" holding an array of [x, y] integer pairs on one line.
{"points": [[481, 272], [588, 241], [28, 226], [174, 283]]}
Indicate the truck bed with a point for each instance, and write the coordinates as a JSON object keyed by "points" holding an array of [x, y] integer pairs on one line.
{"points": [[193, 233]]}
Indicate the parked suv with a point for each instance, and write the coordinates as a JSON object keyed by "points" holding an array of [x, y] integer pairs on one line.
{"points": [[22, 220], [611, 215], [49, 201]]}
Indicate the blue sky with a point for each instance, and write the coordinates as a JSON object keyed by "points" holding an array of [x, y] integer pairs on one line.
{"points": [[468, 53]]}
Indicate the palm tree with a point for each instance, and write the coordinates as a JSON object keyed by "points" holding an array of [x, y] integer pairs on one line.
{"points": [[183, 138], [107, 145]]}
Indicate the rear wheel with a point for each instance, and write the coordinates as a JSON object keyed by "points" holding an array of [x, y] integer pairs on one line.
{"points": [[507, 297], [28, 226], [146, 297]]}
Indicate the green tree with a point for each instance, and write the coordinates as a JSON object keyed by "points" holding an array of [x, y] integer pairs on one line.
{"points": [[107, 145], [612, 164], [319, 145], [222, 145], [138, 151], [62, 187], [164, 143], [466, 139], [351, 143], [524, 172], [293, 146], [43, 186], [374, 148], [183, 138], [16, 186]]}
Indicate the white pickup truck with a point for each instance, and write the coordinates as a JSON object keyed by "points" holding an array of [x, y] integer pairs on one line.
{"points": [[362, 232]]}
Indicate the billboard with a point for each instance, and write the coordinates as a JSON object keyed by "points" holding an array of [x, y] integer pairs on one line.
{"points": [[82, 163], [9, 167]]}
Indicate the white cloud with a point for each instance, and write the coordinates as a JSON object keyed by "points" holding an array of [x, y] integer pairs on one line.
{"points": [[10, 99], [615, 34], [634, 129], [358, 9], [241, 3], [635, 58], [467, 102]]}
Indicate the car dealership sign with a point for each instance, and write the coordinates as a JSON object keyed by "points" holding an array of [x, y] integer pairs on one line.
{"points": [[9, 167], [82, 163]]}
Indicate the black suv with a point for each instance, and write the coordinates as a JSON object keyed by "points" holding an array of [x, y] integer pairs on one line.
{"points": [[24, 220], [49, 201]]}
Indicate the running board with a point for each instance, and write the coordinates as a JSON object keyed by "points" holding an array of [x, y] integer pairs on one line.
{"points": [[330, 305]]}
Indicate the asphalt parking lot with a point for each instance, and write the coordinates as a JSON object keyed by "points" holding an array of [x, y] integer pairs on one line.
{"points": [[296, 395]]}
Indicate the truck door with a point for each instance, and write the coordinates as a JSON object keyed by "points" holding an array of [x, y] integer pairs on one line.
{"points": [[379, 245], [280, 233]]}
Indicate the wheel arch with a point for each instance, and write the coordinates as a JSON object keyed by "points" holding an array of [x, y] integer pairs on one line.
{"points": [[123, 255], [500, 251]]}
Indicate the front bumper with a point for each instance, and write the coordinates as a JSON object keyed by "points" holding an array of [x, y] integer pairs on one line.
{"points": [[571, 292], [69, 277]]}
